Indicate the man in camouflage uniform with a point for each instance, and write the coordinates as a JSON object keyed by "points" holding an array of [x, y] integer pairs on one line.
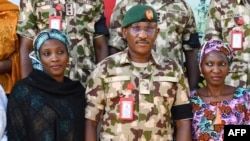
{"points": [[155, 87], [225, 17], [177, 39], [82, 22]]}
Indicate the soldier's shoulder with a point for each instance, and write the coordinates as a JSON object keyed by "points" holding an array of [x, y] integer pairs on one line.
{"points": [[164, 61], [114, 58]]}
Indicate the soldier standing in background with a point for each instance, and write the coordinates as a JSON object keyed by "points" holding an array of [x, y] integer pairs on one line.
{"points": [[229, 21], [138, 91], [79, 19], [177, 39]]}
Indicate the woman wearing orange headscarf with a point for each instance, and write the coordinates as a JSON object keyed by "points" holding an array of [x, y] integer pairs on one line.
{"points": [[9, 54]]}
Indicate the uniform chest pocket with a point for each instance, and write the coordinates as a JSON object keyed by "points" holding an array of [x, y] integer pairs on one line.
{"points": [[164, 90], [115, 88]]}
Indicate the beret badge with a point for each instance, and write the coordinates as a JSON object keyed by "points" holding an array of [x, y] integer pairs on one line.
{"points": [[139, 13], [149, 14]]}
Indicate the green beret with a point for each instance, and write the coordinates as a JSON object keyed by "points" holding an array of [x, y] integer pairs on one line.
{"points": [[139, 13]]}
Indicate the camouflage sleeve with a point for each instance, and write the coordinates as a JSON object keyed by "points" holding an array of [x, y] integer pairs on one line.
{"points": [[116, 40], [27, 21], [95, 95], [190, 31], [183, 93], [181, 108], [213, 26]]}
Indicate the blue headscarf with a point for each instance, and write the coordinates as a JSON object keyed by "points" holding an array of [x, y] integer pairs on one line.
{"points": [[40, 39]]}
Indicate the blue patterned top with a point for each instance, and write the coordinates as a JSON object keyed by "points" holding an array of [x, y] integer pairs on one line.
{"points": [[209, 118]]}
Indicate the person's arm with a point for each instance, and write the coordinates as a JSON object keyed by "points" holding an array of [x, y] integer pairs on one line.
{"points": [[181, 109], [100, 39], [101, 48], [16, 113], [213, 26], [183, 130], [90, 130], [192, 69], [191, 47], [25, 48], [5, 66]]}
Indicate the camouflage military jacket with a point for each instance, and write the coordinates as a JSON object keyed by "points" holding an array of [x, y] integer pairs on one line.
{"points": [[222, 19], [176, 23], [78, 18], [166, 86]]}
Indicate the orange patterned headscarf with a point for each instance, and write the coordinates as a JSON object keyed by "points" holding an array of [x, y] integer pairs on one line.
{"points": [[9, 49]]}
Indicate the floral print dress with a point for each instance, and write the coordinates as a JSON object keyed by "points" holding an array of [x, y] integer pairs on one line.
{"points": [[209, 118]]}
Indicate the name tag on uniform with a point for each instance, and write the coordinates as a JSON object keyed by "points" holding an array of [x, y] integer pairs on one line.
{"points": [[126, 108], [237, 40], [55, 22]]}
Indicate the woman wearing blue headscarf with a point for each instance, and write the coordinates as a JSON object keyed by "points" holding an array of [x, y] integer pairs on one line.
{"points": [[47, 106]]}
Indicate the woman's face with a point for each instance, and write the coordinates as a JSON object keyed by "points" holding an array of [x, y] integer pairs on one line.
{"points": [[215, 67], [54, 58]]}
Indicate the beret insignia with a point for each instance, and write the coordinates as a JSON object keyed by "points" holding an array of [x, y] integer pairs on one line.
{"points": [[149, 14]]}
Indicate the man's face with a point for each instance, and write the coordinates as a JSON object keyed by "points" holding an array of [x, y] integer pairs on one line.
{"points": [[141, 37]]}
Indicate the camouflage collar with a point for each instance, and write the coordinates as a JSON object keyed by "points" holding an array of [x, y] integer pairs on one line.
{"points": [[155, 59]]}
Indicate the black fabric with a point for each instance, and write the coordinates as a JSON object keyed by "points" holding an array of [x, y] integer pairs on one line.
{"points": [[182, 112], [41, 109], [101, 27], [193, 41]]}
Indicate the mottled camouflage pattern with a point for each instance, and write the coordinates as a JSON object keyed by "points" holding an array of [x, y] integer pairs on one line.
{"points": [[152, 117], [176, 23], [34, 17], [222, 19]]}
